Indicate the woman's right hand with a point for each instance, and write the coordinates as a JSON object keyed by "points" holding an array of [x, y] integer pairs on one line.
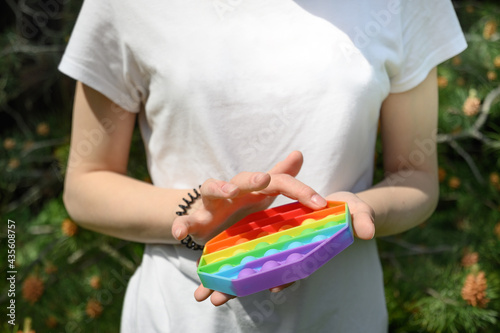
{"points": [[224, 203]]}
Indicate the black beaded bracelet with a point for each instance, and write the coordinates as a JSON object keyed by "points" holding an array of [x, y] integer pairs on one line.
{"points": [[188, 241]]}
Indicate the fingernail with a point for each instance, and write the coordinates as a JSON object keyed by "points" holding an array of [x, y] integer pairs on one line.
{"points": [[177, 233], [257, 178], [318, 200], [228, 188]]}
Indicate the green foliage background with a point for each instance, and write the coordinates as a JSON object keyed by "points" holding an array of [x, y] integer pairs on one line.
{"points": [[424, 268]]}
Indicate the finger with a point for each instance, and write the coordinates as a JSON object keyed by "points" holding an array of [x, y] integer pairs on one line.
{"points": [[180, 227], [280, 288], [363, 216], [363, 226], [294, 189], [218, 189], [193, 224], [201, 293], [219, 298], [290, 165], [251, 181]]}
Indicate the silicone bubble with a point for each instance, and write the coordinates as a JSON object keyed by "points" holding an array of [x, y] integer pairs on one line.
{"points": [[285, 227], [271, 252], [307, 231], [294, 245], [239, 251], [225, 267], [284, 238], [319, 238], [245, 272], [268, 265], [262, 245], [259, 251], [247, 260], [293, 257]]}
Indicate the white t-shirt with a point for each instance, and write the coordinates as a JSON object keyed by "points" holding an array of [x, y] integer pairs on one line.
{"points": [[224, 86]]}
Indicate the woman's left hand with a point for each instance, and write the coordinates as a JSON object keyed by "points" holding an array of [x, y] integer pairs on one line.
{"points": [[363, 216]]}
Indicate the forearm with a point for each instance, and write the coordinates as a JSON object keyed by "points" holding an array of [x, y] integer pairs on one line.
{"points": [[400, 203], [122, 207]]}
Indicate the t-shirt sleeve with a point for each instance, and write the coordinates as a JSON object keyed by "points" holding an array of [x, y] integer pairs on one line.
{"points": [[430, 34], [97, 56]]}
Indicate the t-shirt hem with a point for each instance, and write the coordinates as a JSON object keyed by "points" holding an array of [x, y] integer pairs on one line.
{"points": [[441, 54], [76, 71]]}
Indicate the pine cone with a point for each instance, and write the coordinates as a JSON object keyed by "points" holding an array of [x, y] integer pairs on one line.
{"points": [[491, 75], [442, 82], [442, 174], [496, 61], [32, 289], [14, 163], [474, 290], [497, 230], [9, 143], [494, 178], [470, 259], [489, 29], [93, 308], [454, 182], [456, 61], [69, 228], [95, 282], [471, 106], [43, 129]]}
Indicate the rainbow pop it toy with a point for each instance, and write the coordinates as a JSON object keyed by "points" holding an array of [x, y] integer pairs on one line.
{"points": [[274, 246]]}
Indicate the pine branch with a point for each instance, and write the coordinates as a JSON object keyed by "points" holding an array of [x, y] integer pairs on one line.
{"points": [[485, 108], [475, 130], [469, 160], [414, 249], [32, 49], [44, 144], [32, 195], [19, 120], [437, 295]]}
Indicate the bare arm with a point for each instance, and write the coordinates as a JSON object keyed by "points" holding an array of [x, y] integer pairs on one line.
{"points": [[99, 196], [409, 192]]}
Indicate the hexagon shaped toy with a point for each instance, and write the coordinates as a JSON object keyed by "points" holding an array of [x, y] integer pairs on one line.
{"points": [[274, 247]]}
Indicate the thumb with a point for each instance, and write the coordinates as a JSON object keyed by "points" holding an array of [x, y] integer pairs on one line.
{"points": [[362, 223], [180, 227]]}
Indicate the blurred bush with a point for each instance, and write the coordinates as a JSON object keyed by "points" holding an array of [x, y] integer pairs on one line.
{"points": [[441, 277]]}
